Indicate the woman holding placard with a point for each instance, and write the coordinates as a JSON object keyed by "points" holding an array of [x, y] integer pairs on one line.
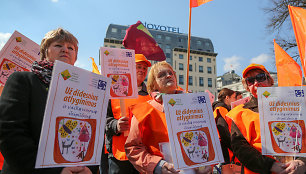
{"points": [[22, 106], [245, 128], [148, 125]]}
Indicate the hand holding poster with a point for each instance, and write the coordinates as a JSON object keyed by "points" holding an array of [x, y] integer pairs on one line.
{"points": [[192, 130], [282, 120], [18, 54], [74, 121]]}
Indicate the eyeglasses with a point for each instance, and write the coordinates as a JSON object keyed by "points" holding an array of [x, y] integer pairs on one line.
{"points": [[259, 78]]}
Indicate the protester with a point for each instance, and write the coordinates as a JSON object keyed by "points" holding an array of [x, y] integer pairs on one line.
{"points": [[22, 106], [238, 95], [221, 108], [245, 126], [116, 125], [148, 125]]}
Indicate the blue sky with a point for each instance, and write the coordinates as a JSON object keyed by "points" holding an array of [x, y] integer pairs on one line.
{"points": [[236, 27]]}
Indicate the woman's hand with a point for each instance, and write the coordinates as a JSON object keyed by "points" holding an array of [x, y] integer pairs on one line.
{"points": [[123, 124], [203, 170], [295, 167], [278, 167], [168, 168], [76, 170]]}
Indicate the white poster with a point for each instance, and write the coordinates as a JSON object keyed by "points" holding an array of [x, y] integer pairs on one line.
{"points": [[75, 117], [282, 120], [119, 65], [18, 54], [192, 130]]}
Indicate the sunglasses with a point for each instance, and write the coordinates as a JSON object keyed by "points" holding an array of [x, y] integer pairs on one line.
{"points": [[259, 78]]}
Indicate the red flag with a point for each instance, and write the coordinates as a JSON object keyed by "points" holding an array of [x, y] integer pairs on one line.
{"points": [[289, 73], [298, 19], [196, 3], [95, 68], [140, 39]]}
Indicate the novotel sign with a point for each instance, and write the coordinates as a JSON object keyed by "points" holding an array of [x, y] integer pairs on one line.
{"points": [[162, 28]]}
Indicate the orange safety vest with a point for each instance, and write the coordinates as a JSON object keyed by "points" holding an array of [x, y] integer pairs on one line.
{"points": [[248, 123], [119, 141], [152, 126]]}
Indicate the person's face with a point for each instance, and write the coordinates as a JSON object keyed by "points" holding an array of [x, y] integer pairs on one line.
{"points": [[165, 80], [230, 99], [141, 71], [255, 79], [63, 51]]}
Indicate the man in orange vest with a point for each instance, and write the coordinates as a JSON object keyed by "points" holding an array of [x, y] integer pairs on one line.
{"points": [[117, 126]]}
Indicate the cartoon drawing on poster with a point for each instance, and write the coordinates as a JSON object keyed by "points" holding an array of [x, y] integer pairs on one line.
{"points": [[121, 85], [7, 67]]}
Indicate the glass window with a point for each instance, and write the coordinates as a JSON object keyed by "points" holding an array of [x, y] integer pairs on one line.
{"points": [[181, 56], [168, 55], [209, 70], [123, 31], [209, 82], [181, 79], [181, 66], [200, 68], [200, 59], [180, 39], [201, 81], [208, 60], [168, 38], [114, 30], [112, 46], [190, 80], [199, 43], [190, 67], [159, 36], [190, 58]]}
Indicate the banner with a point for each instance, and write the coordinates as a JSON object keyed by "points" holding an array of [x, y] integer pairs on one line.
{"points": [[75, 117], [282, 120], [192, 130], [119, 65], [18, 54]]}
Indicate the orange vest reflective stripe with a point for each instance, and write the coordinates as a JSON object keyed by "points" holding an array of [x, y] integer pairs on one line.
{"points": [[119, 141], [152, 125]]}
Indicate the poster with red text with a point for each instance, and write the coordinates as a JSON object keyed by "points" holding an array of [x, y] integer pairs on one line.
{"points": [[119, 65], [18, 54], [282, 120], [75, 117], [192, 130]]}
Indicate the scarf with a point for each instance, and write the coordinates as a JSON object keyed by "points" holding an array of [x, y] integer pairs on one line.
{"points": [[43, 70]]}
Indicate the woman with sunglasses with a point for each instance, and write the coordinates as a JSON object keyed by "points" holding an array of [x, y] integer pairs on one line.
{"points": [[245, 128]]}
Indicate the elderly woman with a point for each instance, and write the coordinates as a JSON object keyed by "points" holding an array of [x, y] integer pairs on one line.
{"points": [[148, 124], [22, 106], [245, 127]]}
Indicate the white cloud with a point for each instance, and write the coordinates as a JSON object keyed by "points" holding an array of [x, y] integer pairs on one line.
{"points": [[54, 0], [4, 38], [79, 64], [261, 59], [232, 63]]}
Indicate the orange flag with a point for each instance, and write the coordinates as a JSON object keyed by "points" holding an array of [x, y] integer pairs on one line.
{"points": [[289, 73], [298, 19], [196, 3], [94, 66]]}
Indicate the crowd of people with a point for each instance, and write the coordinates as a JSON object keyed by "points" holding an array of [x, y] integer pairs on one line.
{"points": [[131, 140]]}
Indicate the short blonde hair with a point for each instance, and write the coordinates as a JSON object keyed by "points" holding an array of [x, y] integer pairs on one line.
{"points": [[59, 35], [153, 75], [270, 79]]}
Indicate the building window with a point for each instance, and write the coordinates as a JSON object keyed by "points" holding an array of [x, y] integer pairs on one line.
{"points": [[123, 31], [200, 59], [159, 36], [199, 43], [190, 67], [180, 39], [114, 30], [209, 82], [209, 70], [181, 66], [168, 55], [201, 81], [168, 38], [200, 68], [181, 56], [181, 79], [112, 46], [190, 81], [190, 57], [208, 60]]}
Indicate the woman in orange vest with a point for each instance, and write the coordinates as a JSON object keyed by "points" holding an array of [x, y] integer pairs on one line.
{"points": [[148, 124], [245, 127], [117, 125]]}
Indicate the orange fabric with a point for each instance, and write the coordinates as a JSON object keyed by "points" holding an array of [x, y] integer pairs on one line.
{"points": [[253, 66], [152, 125], [196, 3], [95, 68], [119, 141], [298, 19], [222, 110], [289, 73]]}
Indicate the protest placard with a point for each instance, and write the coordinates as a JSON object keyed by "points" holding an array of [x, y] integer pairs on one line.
{"points": [[75, 117], [18, 54], [282, 120], [119, 65], [239, 102], [192, 130]]}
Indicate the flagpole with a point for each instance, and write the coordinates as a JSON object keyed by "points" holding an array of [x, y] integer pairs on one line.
{"points": [[188, 50]]}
